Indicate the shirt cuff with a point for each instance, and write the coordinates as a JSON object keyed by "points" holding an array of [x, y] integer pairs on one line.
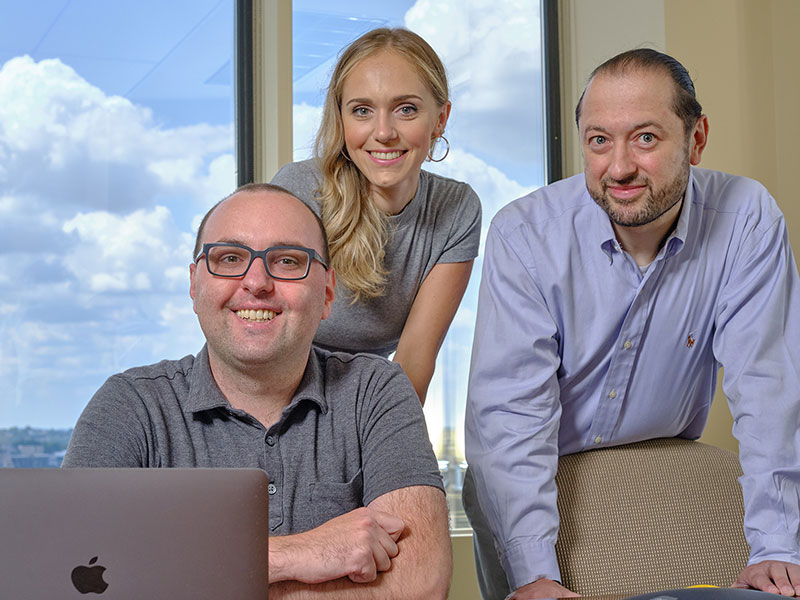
{"points": [[774, 547], [527, 561]]}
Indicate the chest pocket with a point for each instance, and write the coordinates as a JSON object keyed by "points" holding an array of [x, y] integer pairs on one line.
{"points": [[329, 499]]}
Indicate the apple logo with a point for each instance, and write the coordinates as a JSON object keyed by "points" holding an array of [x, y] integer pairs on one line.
{"points": [[89, 579]]}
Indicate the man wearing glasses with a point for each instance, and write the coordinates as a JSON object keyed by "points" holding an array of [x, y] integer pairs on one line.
{"points": [[355, 487]]}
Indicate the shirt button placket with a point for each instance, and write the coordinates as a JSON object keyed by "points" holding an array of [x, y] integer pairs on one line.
{"points": [[271, 440]]}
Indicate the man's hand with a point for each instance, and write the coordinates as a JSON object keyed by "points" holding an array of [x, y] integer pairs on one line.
{"points": [[358, 545], [542, 588], [773, 576]]}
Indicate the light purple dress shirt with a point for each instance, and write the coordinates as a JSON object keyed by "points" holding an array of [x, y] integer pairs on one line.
{"points": [[575, 349]]}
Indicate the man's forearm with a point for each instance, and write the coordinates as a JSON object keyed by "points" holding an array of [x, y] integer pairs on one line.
{"points": [[420, 569], [429, 581], [380, 589], [357, 545]]}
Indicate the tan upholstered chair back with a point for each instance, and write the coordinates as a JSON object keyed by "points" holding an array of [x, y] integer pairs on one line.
{"points": [[661, 514]]}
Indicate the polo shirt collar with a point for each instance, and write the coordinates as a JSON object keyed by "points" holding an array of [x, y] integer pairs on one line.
{"points": [[204, 393], [312, 385]]}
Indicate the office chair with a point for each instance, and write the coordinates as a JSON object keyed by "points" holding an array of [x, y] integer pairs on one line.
{"points": [[654, 515]]}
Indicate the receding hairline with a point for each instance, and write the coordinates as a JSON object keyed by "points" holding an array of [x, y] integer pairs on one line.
{"points": [[648, 60], [624, 73], [268, 189]]}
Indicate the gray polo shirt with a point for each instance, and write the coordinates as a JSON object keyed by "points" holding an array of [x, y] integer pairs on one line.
{"points": [[353, 431]]}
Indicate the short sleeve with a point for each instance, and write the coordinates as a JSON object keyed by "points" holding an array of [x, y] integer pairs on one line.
{"points": [[396, 451], [112, 430], [465, 233]]}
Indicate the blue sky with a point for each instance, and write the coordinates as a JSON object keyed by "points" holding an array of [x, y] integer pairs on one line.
{"points": [[116, 136], [115, 133]]}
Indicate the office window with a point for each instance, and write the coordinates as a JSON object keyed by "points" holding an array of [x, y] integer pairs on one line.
{"points": [[116, 135], [492, 52]]}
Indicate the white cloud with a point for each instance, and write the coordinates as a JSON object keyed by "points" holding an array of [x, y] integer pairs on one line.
{"points": [[305, 122], [492, 54], [183, 331], [89, 253], [64, 143], [8, 206], [218, 182], [7, 309], [137, 252]]}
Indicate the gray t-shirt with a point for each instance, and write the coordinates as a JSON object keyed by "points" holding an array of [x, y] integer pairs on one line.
{"points": [[353, 431], [442, 224]]}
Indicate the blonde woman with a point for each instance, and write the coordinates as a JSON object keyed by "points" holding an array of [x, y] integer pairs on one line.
{"points": [[402, 239]]}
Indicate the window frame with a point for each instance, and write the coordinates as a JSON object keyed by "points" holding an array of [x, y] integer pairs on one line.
{"points": [[263, 89], [264, 98]]}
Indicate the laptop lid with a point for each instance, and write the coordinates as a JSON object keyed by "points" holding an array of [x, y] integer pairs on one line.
{"points": [[120, 534]]}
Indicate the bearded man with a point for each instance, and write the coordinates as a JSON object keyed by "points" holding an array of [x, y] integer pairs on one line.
{"points": [[608, 303]]}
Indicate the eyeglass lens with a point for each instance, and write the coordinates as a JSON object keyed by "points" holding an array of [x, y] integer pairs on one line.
{"points": [[232, 261]]}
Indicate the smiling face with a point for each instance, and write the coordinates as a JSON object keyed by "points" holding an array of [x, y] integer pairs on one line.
{"points": [[636, 151], [390, 118], [255, 320]]}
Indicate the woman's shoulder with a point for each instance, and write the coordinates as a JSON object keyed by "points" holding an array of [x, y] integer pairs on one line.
{"points": [[445, 191], [302, 171], [302, 179]]}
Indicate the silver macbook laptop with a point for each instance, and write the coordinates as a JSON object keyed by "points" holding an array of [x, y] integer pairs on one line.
{"points": [[120, 534]]}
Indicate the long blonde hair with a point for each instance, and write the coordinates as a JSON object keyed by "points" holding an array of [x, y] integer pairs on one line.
{"points": [[357, 228]]}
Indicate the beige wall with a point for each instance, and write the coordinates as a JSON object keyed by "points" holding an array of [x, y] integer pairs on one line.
{"points": [[745, 69], [592, 32]]}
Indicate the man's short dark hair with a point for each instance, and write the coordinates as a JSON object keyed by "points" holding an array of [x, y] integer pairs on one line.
{"points": [[261, 187], [685, 104]]}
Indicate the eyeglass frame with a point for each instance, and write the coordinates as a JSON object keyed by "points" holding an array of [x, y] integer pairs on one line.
{"points": [[262, 254]]}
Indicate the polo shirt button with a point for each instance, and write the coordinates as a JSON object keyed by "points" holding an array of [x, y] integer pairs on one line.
{"points": [[598, 439], [271, 489], [270, 440], [612, 394], [627, 345]]}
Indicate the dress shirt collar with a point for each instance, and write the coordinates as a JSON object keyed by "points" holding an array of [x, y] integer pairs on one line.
{"points": [[607, 239]]}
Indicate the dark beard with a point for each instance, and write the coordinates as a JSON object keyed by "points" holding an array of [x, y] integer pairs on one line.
{"points": [[655, 204]]}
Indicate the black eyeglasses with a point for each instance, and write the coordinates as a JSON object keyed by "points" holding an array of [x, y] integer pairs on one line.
{"points": [[288, 263]]}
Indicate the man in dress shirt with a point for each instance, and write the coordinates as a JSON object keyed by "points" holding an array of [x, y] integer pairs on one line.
{"points": [[607, 304], [357, 508]]}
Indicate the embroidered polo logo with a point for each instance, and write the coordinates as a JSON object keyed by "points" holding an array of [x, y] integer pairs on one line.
{"points": [[690, 340]]}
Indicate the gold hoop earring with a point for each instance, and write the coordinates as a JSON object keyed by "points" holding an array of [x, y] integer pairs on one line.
{"points": [[446, 152], [346, 156]]}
